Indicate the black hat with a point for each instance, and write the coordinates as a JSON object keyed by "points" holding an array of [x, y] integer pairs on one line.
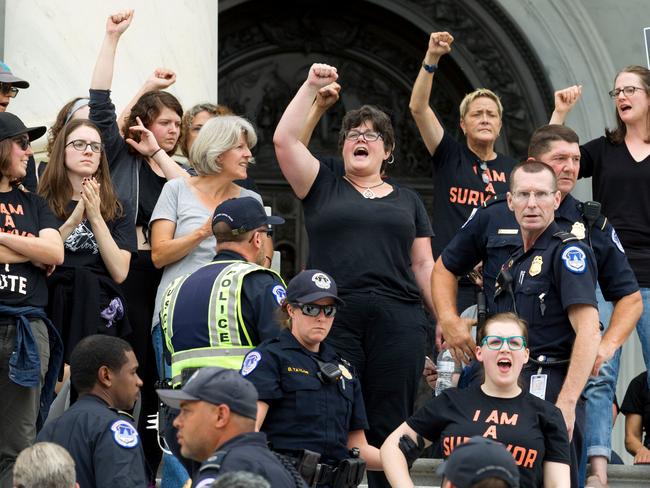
{"points": [[311, 285], [217, 386], [477, 459], [243, 215], [11, 126], [6, 76]]}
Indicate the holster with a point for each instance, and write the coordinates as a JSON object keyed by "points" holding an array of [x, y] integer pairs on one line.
{"points": [[349, 473], [307, 465]]}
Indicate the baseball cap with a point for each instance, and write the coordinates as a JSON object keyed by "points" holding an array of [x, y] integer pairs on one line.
{"points": [[243, 215], [11, 126], [6, 76], [477, 459], [311, 285], [217, 386]]}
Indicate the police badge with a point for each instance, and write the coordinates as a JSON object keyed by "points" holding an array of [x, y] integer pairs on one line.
{"points": [[536, 266], [578, 230]]}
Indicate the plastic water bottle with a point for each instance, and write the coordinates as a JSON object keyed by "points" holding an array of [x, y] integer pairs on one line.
{"points": [[446, 366]]}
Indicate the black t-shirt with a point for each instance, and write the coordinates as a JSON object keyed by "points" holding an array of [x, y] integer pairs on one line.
{"points": [[532, 429], [458, 186], [637, 400], [24, 214], [621, 185], [365, 244], [81, 248], [150, 187]]}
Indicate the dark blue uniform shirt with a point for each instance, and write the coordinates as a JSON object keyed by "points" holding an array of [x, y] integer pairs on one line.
{"points": [[103, 442], [245, 452], [304, 412], [260, 297], [492, 234], [547, 279]]}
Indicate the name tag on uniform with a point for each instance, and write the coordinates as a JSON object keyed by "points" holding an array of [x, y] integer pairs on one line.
{"points": [[508, 231], [538, 385]]}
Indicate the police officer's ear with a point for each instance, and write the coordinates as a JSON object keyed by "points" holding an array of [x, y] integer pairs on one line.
{"points": [[557, 199], [104, 376], [221, 416], [509, 199]]}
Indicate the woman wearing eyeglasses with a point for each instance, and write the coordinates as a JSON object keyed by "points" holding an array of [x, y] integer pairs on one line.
{"points": [[309, 398], [29, 241], [98, 234], [374, 238], [619, 164], [532, 429]]}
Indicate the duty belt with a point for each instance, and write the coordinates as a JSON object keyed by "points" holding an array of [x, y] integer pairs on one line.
{"points": [[542, 360]]}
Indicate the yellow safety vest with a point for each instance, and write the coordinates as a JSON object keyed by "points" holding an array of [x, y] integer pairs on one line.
{"points": [[226, 349]]}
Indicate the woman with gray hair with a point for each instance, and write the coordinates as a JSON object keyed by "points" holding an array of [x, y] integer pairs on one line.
{"points": [[45, 464], [181, 223]]}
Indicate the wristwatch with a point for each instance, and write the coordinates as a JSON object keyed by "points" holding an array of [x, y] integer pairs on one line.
{"points": [[430, 68]]}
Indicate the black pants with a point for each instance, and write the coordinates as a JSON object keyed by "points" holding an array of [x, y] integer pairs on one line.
{"points": [[384, 339], [140, 292]]}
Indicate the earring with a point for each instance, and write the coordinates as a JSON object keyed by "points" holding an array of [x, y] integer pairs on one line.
{"points": [[391, 159]]}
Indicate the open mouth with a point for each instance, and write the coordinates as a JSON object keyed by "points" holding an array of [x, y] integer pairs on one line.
{"points": [[504, 365], [624, 107], [360, 151]]}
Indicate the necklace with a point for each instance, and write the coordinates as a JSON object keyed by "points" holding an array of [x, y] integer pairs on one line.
{"points": [[367, 190]]}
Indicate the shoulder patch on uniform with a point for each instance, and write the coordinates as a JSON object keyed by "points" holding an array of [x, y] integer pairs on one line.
{"points": [[124, 434], [280, 293], [251, 361], [474, 210], [575, 259], [205, 483], [617, 241]]}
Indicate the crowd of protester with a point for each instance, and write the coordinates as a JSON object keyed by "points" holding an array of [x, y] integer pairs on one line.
{"points": [[110, 287]]}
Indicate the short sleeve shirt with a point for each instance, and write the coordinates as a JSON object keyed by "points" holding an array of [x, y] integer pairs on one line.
{"points": [[24, 214], [458, 186], [305, 412], [364, 244], [532, 429], [637, 401]]}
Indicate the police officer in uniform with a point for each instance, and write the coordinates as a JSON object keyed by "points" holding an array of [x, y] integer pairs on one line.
{"points": [[492, 234], [550, 282], [98, 434], [215, 315], [216, 426], [310, 402]]}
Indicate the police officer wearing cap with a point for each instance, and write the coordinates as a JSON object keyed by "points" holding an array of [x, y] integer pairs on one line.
{"points": [[97, 432], [550, 282], [216, 426], [479, 460], [310, 403], [214, 316]]}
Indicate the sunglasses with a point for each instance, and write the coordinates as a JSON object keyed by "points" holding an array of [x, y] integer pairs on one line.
{"points": [[22, 141], [7, 89], [313, 310]]}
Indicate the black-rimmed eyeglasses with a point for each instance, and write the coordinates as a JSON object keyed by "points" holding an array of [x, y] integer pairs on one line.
{"points": [[628, 91], [369, 135], [80, 145]]}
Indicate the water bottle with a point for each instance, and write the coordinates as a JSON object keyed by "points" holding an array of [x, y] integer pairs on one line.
{"points": [[446, 366]]}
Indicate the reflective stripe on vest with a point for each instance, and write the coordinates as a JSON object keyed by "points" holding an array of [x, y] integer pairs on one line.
{"points": [[227, 349]]}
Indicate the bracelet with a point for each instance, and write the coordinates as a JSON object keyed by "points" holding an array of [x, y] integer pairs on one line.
{"points": [[430, 68], [155, 152]]}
